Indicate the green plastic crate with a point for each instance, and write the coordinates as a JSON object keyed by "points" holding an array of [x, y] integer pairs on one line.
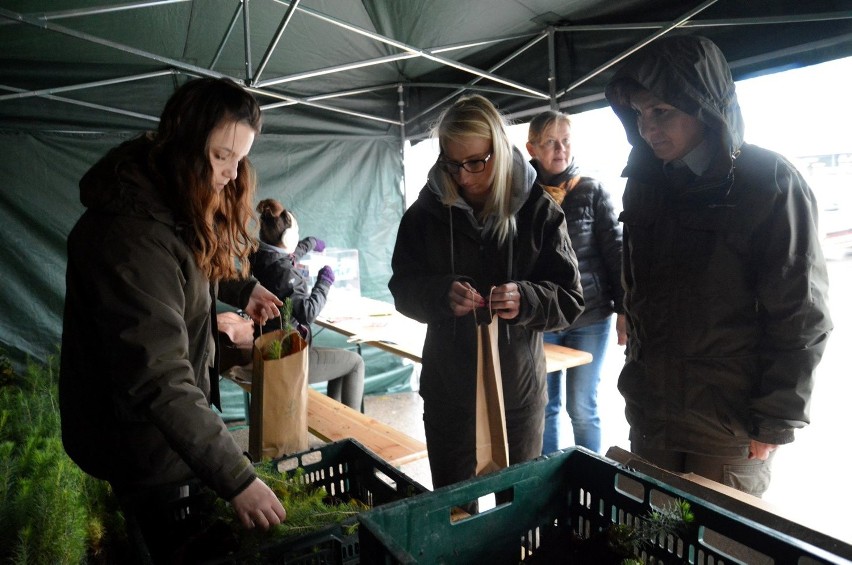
{"points": [[576, 492], [348, 470]]}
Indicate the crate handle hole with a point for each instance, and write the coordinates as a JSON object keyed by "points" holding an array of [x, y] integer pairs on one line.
{"points": [[490, 502], [728, 548], [385, 478]]}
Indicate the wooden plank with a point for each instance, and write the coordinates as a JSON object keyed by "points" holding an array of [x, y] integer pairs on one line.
{"points": [[330, 420], [559, 357]]}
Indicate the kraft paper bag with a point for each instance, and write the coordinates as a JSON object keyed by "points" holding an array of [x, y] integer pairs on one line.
{"points": [[279, 398], [492, 448]]}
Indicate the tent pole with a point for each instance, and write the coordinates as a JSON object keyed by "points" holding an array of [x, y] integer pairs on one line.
{"points": [[274, 43], [551, 73], [42, 24], [99, 10], [511, 56], [87, 104], [636, 47], [290, 100], [247, 40], [388, 59], [227, 35], [425, 53], [57, 89], [401, 103]]}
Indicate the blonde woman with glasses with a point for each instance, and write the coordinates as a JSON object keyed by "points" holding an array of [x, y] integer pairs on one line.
{"points": [[482, 236]]}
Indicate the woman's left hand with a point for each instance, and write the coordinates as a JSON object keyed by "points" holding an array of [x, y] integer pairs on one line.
{"points": [[506, 300], [263, 305]]}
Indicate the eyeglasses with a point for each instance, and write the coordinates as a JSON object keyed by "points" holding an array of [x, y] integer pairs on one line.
{"points": [[472, 166], [551, 143]]}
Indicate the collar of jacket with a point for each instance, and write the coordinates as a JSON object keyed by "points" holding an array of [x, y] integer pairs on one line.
{"points": [[123, 183], [546, 179], [523, 177]]}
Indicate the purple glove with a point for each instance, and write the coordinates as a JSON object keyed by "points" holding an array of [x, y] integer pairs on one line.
{"points": [[319, 246], [326, 274]]}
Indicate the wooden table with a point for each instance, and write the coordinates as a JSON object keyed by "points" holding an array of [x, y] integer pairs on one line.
{"points": [[377, 323]]}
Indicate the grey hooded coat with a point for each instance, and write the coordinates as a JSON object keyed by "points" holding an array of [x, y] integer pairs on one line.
{"points": [[725, 280]]}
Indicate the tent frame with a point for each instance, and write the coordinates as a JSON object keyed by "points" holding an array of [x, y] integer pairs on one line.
{"points": [[252, 79]]}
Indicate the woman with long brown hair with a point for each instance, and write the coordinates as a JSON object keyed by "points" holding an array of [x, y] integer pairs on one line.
{"points": [[164, 235]]}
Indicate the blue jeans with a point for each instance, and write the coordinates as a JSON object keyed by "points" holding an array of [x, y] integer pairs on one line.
{"points": [[581, 387]]}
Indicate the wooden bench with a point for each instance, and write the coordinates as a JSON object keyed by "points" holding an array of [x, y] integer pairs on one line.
{"points": [[330, 420]]}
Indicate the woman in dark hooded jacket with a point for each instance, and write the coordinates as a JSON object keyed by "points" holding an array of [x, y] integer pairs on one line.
{"points": [[725, 280], [482, 230], [167, 215]]}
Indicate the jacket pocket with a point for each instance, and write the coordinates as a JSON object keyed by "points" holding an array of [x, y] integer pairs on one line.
{"points": [[715, 394]]}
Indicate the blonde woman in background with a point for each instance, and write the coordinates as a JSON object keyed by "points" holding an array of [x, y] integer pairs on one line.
{"points": [[596, 238]]}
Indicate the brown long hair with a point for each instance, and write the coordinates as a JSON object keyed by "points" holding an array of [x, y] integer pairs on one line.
{"points": [[219, 223]]}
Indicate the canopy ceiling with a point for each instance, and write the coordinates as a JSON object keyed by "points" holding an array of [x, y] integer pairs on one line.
{"points": [[369, 65]]}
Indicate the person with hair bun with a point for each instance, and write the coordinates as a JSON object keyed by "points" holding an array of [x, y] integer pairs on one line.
{"points": [[165, 233], [274, 265], [482, 236]]}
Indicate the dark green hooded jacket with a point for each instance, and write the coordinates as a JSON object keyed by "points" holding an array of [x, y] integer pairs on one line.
{"points": [[724, 276], [138, 348]]}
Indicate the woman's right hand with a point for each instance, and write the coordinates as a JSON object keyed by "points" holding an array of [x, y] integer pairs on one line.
{"points": [[258, 506], [262, 305], [464, 298]]}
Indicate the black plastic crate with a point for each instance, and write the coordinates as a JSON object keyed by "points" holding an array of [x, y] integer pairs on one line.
{"points": [[346, 469], [576, 494]]}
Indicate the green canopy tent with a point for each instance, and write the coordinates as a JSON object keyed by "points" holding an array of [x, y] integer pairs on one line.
{"points": [[343, 84]]}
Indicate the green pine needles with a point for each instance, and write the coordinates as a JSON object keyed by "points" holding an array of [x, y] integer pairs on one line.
{"points": [[50, 511], [309, 508], [284, 347]]}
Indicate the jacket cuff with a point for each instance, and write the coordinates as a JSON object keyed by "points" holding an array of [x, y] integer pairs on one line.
{"points": [[245, 291], [241, 488], [772, 436]]}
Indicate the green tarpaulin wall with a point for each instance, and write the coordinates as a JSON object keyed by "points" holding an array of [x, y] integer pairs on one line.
{"points": [[354, 203]]}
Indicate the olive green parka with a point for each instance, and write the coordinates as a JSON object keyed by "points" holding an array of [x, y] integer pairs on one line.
{"points": [[725, 282], [138, 350]]}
